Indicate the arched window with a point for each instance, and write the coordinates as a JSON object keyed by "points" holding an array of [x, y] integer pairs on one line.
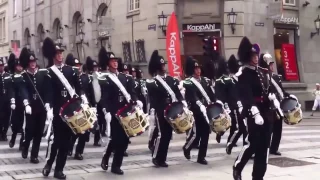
{"points": [[27, 38], [40, 38], [57, 30], [78, 25]]}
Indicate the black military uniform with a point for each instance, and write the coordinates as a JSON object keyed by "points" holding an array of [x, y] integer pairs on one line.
{"points": [[160, 99], [197, 101], [34, 88], [57, 97], [17, 118], [254, 88], [140, 87], [266, 61], [7, 99], [112, 99], [234, 66]]}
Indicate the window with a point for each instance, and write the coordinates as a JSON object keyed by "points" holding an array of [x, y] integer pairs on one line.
{"points": [[134, 5], [14, 7], [289, 2], [285, 55], [140, 51], [2, 28], [14, 35], [126, 51]]}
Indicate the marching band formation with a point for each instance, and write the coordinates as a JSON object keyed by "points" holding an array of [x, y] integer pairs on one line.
{"points": [[69, 100]]}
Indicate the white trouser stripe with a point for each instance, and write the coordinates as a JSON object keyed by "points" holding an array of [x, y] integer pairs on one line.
{"points": [[156, 148], [245, 147], [194, 131]]}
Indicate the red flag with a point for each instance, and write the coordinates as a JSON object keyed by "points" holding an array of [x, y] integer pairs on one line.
{"points": [[173, 48]]}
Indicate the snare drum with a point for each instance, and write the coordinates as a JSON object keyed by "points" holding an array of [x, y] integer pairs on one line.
{"points": [[78, 117], [219, 120], [180, 118], [291, 110], [133, 120]]}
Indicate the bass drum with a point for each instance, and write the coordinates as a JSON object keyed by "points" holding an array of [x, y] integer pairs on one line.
{"points": [[219, 120], [79, 118], [133, 120], [291, 110], [179, 117]]}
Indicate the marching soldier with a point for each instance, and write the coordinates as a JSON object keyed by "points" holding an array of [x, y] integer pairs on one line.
{"points": [[234, 67], [256, 96], [21, 104], [58, 95], [198, 95], [114, 97], [7, 103], [140, 86], [34, 91], [160, 97], [266, 61]]}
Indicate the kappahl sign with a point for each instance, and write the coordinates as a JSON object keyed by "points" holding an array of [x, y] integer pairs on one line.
{"points": [[199, 27], [287, 20]]}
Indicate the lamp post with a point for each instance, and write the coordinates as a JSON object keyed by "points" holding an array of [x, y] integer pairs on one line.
{"points": [[317, 26], [163, 22], [232, 19]]}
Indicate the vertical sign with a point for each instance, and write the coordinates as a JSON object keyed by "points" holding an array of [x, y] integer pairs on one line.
{"points": [[288, 55], [173, 48]]}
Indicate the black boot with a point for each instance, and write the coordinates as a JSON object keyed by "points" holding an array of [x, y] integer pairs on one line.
{"points": [[236, 174], [78, 156], [97, 144], [218, 138], [12, 141], [117, 171], [202, 161], [24, 153], [186, 154], [277, 153], [46, 170], [104, 163], [34, 160], [229, 149], [59, 175]]}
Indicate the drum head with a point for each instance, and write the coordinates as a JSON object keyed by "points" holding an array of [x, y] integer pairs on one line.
{"points": [[74, 105], [288, 104], [127, 109], [173, 110], [214, 111]]}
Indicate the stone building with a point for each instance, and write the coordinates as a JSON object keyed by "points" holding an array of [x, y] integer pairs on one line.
{"points": [[4, 40], [131, 29]]}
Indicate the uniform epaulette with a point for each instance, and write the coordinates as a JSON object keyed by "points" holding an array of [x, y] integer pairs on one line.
{"points": [[43, 69], [17, 75], [207, 79], [129, 75], [264, 69], [150, 80], [187, 81], [8, 77]]}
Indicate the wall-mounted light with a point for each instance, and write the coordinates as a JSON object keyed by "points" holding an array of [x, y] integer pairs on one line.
{"points": [[32, 35], [163, 22], [47, 31], [232, 19], [66, 26], [305, 4], [317, 26]]}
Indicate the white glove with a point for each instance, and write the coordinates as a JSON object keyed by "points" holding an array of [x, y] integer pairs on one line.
{"points": [[203, 109], [184, 103], [272, 96], [50, 115], [28, 109], [84, 99], [13, 104], [107, 117], [139, 104], [240, 106], [227, 109], [256, 115], [85, 106], [47, 106]]}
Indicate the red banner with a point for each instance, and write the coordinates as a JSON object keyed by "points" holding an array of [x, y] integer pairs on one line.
{"points": [[289, 62], [173, 47]]}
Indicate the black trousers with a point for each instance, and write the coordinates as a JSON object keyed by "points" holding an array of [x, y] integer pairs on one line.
{"points": [[238, 128], [59, 146], [153, 137], [82, 139], [102, 125], [17, 121], [34, 130], [199, 132], [118, 143], [160, 150], [276, 134], [259, 143], [5, 114]]}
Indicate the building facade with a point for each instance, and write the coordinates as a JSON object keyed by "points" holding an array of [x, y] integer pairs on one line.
{"points": [[131, 29], [4, 40]]}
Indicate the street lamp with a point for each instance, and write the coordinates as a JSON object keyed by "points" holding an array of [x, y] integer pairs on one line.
{"points": [[163, 22], [81, 36], [232, 19], [317, 26]]}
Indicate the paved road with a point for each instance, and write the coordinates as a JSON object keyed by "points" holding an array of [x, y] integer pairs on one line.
{"points": [[301, 142]]}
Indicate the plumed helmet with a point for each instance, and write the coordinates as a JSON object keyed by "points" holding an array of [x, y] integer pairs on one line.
{"points": [[49, 50], [90, 64], [155, 63], [126, 67], [12, 61], [233, 64], [24, 57], [120, 64], [84, 68], [70, 60], [262, 63], [257, 48], [246, 51], [268, 58], [190, 65], [222, 67], [103, 59]]}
